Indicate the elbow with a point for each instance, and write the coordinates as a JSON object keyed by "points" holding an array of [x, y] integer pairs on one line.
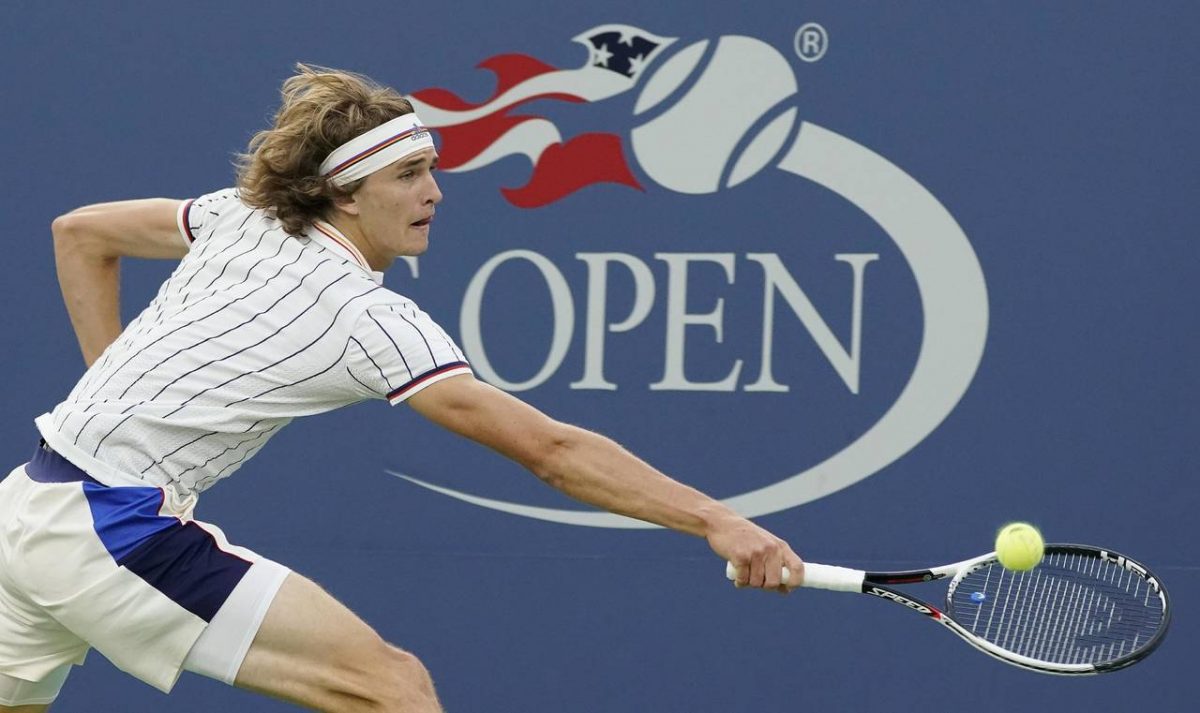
{"points": [[73, 235], [546, 464], [66, 229], [550, 456], [73, 222], [64, 225], [554, 478]]}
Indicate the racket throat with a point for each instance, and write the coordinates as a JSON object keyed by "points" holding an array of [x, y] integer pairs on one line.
{"points": [[899, 598]]}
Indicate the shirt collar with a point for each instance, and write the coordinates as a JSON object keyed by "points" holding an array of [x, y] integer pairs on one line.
{"points": [[326, 235]]}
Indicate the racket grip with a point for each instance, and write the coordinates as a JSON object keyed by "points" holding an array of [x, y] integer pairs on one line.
{"points": [[819, 576], [837, 579]]}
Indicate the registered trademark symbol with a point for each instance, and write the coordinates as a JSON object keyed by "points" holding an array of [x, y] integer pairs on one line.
{"points": [[811, 42]]}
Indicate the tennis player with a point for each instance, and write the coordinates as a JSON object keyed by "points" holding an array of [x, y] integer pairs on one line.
{"points": [[275, 311]]}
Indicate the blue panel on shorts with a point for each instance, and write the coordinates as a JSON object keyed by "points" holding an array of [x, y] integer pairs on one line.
{"points": [[125, 517], [185, 564], [179, 559]]}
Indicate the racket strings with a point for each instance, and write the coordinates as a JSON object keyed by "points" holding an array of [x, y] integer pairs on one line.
{"points": [[1070, 609]]}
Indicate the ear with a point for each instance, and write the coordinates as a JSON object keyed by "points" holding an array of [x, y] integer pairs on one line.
{"points": [[346, 204]]}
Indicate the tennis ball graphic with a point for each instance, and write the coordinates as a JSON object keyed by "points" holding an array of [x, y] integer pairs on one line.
{"points": [[689, 146]]}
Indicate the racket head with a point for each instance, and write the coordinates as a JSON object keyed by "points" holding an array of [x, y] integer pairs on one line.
{"points": [[1082, 610]]}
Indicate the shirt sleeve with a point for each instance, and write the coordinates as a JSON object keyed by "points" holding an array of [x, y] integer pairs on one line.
{"points": [[194, 213], [395, 350]]}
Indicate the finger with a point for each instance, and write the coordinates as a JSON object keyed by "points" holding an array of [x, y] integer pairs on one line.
{"points": [[743, 576], [795, 567], [773, 564], [758, 573]]}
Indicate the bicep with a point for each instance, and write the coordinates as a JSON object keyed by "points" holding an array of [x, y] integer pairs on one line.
{"points": [[146, 228], [489, 416]]}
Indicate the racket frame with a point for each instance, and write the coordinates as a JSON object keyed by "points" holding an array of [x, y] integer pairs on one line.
{"points": [[880, 585]]}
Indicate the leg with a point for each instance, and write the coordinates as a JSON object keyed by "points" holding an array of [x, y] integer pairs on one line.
{"points": [[313, 651], [16, 694], [19, 696]]}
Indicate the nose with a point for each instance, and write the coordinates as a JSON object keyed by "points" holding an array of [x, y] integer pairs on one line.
{"points": [[433, 194]]}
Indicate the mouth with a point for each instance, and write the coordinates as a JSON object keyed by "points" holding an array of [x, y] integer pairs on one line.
{"points": [[422, 223]]}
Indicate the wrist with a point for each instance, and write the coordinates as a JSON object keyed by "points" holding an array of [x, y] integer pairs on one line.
{"points": [[714, 516]]}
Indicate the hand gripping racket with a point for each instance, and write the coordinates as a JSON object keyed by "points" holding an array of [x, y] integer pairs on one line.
{"points": [[1082, 610]]}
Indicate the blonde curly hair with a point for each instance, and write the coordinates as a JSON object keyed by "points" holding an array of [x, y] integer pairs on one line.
{"points": [[322, 109]]}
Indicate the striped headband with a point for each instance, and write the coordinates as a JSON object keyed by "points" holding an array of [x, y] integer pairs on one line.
{"points": [[367, 153]]}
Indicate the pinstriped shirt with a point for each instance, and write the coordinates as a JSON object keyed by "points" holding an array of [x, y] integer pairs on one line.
{"points": [[253, 329]]}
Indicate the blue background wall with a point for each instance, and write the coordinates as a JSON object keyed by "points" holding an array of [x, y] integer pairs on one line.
{"points": [[1060, 137]]}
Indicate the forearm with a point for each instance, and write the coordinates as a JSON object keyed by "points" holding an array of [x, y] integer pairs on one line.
{"points": [[595, 470], [87, 245], [90, 281]]}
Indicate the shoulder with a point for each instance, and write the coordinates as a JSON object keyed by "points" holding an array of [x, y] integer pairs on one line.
{"points": [[224, 197], [207, 213], [393, 319], [385, 301]]}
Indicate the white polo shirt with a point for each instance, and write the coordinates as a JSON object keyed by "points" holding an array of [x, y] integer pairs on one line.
{"points": [[254, 328]]}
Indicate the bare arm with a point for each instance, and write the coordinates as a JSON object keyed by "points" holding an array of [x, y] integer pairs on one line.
{"points": [[596, 470], [88, 243]]}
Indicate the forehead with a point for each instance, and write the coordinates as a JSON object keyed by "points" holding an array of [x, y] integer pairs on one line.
{"points": [[424, 156]]}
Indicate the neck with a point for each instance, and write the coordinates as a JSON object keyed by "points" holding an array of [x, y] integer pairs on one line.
{"points": [[349, 227]]}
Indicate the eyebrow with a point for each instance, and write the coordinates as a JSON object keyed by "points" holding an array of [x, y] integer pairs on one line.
{"points": [[417, 161]]}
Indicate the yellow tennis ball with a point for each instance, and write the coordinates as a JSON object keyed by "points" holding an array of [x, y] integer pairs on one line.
{"points": [[1019, 546]]}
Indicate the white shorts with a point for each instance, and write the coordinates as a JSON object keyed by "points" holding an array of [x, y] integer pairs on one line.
{"points": [[84, 565]]}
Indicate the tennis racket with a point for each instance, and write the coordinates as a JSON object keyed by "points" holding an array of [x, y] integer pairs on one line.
{"points": [[1082, 610]]}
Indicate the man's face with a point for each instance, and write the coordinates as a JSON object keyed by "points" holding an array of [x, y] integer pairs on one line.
{"points": [[395, 207]]}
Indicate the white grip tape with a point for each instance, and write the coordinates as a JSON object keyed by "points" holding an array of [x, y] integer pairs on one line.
{"points": [[838, 579], [819, 576]]}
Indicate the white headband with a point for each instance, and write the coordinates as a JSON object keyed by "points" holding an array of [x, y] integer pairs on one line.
{"points": [[385, 144]]}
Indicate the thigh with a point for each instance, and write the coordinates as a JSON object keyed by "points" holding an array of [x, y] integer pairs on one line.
{"points": [[115, 569], [140, 600], [36, 650], [21, 696], [314, 651]]}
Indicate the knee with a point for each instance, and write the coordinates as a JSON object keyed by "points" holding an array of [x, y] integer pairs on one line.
{"points": [[402, 684], [409, 671]]}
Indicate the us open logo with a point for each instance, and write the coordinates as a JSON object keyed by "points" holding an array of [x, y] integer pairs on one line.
{"points": [[712, 116]]}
